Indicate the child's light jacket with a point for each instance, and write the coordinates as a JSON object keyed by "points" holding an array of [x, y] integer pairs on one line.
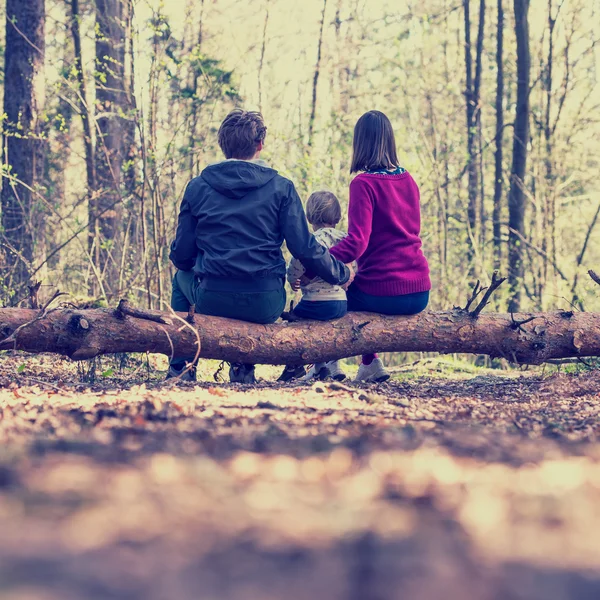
{"points": [[318, 290]]}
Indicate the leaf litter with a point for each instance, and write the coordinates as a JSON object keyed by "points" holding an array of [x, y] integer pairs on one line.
{"points": [[482, 488]]}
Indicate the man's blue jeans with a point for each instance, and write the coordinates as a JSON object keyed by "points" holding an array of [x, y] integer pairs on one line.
{"points": [[255, 307]]}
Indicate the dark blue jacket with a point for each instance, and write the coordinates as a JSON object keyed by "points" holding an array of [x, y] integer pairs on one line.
{"points": [[233, 221]]}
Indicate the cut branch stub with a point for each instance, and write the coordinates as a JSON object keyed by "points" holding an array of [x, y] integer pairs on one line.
{"points": [[125, 309]]}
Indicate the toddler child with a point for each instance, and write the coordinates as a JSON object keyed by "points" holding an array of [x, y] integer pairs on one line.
{"points": [[321, 301]]}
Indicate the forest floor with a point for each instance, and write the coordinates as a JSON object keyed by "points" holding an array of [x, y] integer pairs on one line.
{"points": [[466, 487]]}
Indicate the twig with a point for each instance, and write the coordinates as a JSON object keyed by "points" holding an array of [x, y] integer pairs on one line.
{"points": [[34, 289], [12, 339], [595, 277], [476, 291], [187, 325], [42, 382], [217, 374], [494, 285]]}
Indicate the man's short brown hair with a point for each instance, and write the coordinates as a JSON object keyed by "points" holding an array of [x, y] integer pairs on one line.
{"points": [[323, 208], [240, 133]]}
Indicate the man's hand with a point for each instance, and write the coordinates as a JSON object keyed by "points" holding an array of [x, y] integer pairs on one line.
{"points": [[350, 279]]}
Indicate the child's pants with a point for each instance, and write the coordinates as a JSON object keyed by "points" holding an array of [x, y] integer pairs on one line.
{"points": [[321, 310]]}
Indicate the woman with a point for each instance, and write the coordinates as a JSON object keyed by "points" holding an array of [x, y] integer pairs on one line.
{"points": [[384, 222]]}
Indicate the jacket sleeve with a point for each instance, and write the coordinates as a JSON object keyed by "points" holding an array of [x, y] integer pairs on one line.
{"points": [[303, 245], [360, 224], [183, 249]]}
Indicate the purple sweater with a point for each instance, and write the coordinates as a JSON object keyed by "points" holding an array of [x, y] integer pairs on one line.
{"points": [[384, 221]]}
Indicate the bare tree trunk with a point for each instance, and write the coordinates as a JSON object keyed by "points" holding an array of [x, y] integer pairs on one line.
{"points": [[498, 156], [516, 198], [313, 109], [262, 59], [549, 242], [88, 137], [575, 299], [194, 74], [23, 149], [471, 107], [111, 105], [81, 334], [131, 150], [477, 102]]}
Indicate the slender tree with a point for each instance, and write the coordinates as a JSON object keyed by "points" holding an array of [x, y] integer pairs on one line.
{"points": [[111, 112], [516, 198], [261, 62], [86, 118], [477, 102], [313, 106], [470, 104], [499, 139], [23, 148]]}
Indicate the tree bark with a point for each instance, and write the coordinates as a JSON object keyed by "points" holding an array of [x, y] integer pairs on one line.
{"points": [[86, 119], [471, 106], [82, 334], [111, 106], [498, 156], [23, 148], [313, 106], [516, 198], [477, 102]]}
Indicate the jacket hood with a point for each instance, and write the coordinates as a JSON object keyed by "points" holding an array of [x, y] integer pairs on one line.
{"points": [[236, 178]]}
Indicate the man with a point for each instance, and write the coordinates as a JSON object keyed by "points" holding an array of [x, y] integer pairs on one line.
{"points": [[233, 221]]}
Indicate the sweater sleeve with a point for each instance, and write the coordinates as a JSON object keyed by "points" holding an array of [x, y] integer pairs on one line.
{"points": [[360, 224], [295, 270]]}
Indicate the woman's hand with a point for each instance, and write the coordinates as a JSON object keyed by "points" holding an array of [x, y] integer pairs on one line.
{"points": [[351, 278]]}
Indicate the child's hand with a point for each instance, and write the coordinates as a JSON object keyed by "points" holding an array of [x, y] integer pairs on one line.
{"points": [[351, 278]]}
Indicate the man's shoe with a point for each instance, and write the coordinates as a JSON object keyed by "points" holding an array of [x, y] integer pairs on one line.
{"points": [[184, 374], [374, 372], [241, 373], [290, 373], [335, 371]]}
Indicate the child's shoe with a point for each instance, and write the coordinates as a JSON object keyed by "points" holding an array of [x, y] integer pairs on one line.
{"points": [[317, 371], [241, 373], [290, 373], [183, 374], [335, 371], [375, 372]]}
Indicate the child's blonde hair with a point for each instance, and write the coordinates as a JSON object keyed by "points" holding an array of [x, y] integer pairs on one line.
{"points": [[323, 208]]}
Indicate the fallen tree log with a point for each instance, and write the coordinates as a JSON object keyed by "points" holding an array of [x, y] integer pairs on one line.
{"points": [[81, 334]]}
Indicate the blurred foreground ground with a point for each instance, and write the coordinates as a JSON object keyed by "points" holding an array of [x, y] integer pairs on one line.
{"points": [[485, 488]]}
